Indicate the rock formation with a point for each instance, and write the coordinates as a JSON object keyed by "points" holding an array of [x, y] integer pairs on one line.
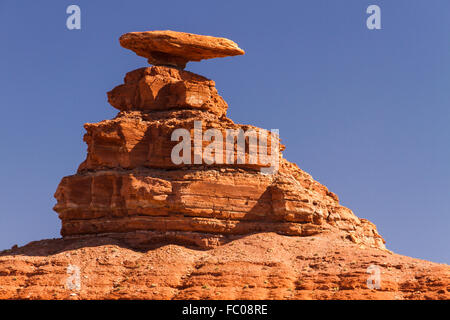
{"points": [[131, 188], [236, 222], [170, 48]]}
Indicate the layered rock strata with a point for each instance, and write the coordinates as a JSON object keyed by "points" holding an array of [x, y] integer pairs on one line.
{"points": [[275, 234], [130, 187], [257, 266]]}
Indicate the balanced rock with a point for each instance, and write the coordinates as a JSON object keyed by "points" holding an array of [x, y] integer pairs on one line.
{"points": [[171, 48], [130, 187]]}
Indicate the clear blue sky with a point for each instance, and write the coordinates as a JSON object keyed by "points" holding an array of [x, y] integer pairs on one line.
{"points": [[367, 113]]}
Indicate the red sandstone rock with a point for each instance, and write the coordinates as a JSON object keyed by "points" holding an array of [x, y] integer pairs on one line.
{"points": [[210, 201], [135, 139], [171, 48], [242, 234], [258, 266], [162, 88], [124, 184]]}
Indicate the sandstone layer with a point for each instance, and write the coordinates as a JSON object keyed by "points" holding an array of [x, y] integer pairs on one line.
{"points": [[162, 88]]}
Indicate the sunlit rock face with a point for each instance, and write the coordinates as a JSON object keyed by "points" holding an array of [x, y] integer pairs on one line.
{"points": [[130, 182]]}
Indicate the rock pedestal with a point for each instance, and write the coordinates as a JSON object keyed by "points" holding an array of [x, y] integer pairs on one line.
{"points": [[130, 188]]}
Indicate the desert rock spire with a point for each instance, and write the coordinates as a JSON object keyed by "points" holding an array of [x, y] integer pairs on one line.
{"points": [[130, 188]]}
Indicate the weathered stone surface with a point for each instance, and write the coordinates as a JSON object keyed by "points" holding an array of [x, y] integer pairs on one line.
{"points": [[163, 88], [136, 139], [213, 201], [258, 266], [129, 182], [240, 233], [171, 48]]}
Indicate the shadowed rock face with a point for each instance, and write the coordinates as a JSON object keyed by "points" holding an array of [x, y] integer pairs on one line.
{"points": [[129, 182]]}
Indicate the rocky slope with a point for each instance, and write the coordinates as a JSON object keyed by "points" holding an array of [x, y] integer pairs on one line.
{"points": [[258, 266]]}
